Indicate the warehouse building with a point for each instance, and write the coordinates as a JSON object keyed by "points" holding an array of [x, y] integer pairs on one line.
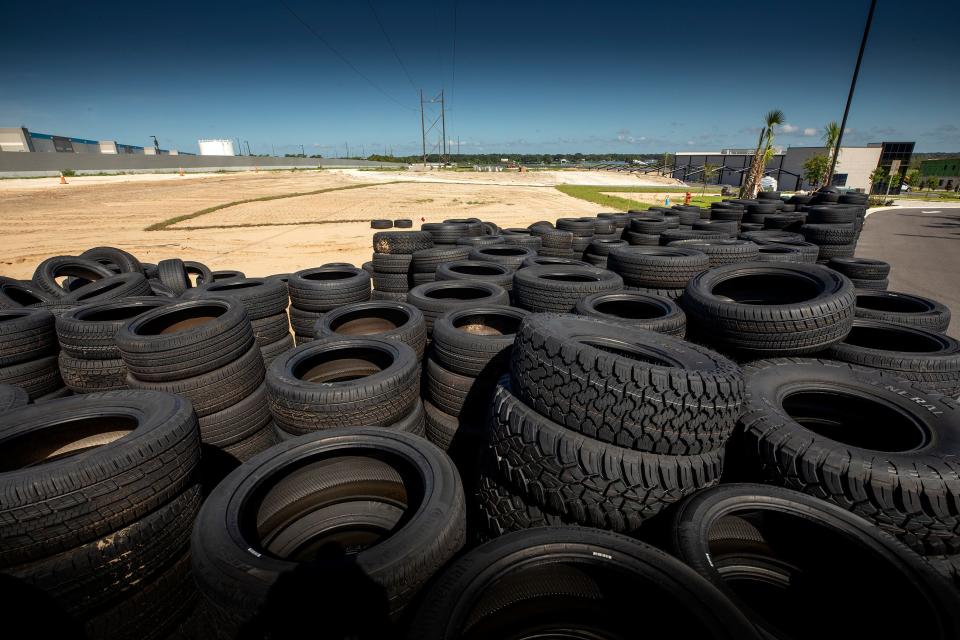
{"points": [[854, 165], [22, 140]]}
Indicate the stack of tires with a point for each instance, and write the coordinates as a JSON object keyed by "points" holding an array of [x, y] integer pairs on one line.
{"points": [[645, 230], [723, 251], [393, 260], [483, 271], [378, 318], [315, 291], [423, 266], [434, 299], [100, 494], [662, 271], [89, 357], [204, 350], [583, 230], [904, 309], [553, 242], [470, 351], [175, 276], [86, 281], [511, 257], [833, 228], [265, 300], [604, 424], [559, 288], [769, 309], [864, 273], [28, 353], [345, 381], [641, 310], [596, 254], [449, 232]]}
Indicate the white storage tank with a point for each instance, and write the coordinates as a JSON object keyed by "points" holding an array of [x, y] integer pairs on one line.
{"points": [[216, 147]]}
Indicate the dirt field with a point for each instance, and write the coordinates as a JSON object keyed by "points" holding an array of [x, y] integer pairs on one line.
{"points": [[43, 218]]}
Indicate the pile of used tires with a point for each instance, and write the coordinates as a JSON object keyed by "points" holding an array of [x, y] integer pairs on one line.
{"points": [[697, 422]]}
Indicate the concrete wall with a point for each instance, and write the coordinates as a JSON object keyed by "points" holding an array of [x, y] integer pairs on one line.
{"points": [[42, 164]]}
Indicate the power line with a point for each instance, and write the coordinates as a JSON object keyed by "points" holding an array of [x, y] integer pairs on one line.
{"points": [[390, 42], [341, 56], [453, 65]]}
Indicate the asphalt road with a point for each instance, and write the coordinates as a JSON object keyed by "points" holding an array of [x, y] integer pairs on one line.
{"points": [[923, 249]]}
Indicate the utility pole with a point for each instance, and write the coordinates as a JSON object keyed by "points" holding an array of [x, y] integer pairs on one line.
{"points": [[363, 150], [853, 85], [423, 131], [248, 147], [347, 145], [443, 127], [273, 150], [302, 152], [458, 145]]}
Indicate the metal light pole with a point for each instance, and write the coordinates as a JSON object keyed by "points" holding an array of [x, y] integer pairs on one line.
{"points": [[853, 85]]}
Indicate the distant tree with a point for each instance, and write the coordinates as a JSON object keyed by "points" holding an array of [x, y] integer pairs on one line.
{"points": [[912, 178], [932, 183], [815, 169], [708, 171], [878, 176], [831, 133], [762, 153]]}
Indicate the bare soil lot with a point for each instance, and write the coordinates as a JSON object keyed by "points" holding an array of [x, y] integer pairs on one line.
{"points": [[43, 218]]}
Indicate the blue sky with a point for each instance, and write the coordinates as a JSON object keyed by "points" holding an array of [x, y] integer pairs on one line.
{"points": [[549, 77]]}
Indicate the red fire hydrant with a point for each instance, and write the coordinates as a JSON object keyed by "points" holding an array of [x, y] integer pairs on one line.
{"points": [[686, 198]]}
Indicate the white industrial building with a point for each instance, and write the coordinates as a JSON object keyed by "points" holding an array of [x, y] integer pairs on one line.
{"points": [[22, 140], [216, 147]]}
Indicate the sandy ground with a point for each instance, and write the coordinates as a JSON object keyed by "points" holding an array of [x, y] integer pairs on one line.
{"points": [[45, 218]]}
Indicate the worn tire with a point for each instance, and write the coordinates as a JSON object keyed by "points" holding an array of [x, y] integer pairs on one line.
{"points": [[405, 242], [396, 321], [37, 377], [91, 376], [47, 272], [12, 397], [657, 267], [261, 297], [90, 331], [639, 310], [498, 274], [173, 275], [560, 288], [476, 341], [26, 334], [903, 308], [437, 298], [326, 288], [70, 501]]}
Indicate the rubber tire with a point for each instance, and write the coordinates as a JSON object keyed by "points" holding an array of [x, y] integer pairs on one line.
{"points": [[91, 376], [74, 500], [349, 321], [190, 352], [454, 596], [509, 256], [482, 294], [378, 396], [480, 352], [914, 310], [81, 337], [427, 260], [238, 421], [12, 397], [238, 583], [173, 275], [37, 377], [933, 362], [774, 327], [860, 268], [721, 252], [401, 241], [122, 285], [657, 267], [271, 329], [304, 322], [391, 263], [261, 297], [311, 291], [272, 351], [649, 312], [913, 495], [26, 334], [498, 274], [124, 261], [593, 482], [535, 292]]}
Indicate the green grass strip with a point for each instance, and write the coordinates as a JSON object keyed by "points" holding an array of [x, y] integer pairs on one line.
{"points": [[598, 195], [160, 226]]}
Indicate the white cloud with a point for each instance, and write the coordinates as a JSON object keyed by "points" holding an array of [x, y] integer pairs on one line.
{"points": [[809, 131], [690, 142], [789, 128]]}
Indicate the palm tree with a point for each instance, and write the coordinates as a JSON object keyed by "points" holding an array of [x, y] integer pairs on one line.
{"points": [[831, 133], [752, 181]]}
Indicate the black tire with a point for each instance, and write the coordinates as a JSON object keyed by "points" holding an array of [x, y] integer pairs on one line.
{"points": [[670, 235], [387, 295], [669, 294], [125, 262], [271, 351], [523, 240], [173, 275], [928, 359], [304, 322], [413, 422], [450, 392], [810, 251], [391, 263], [476, 341], [214, 390], [12, 397], [551, 238], [16, 294], [238, 421], [502, 510], [91, 376], [96, 574], [603, 247], [770, 309], [343, 381], [401, 241], [460, 437], [201, 273], [403, 223], [779, 253], [326, 288], [185, 339], [657, 267], [635, 239], [650, 225], [270, 329], [437, 298], [510, 256], [772, 236], [560, 288], [56, 394], [37, 377], [871, 285], [396, 321], [531, 584], [721, 252], [829, 234], [547, 261], [261, 297], [450, 232], [378, 475], [148, 450], [579, 227], [247, 448], [745, 538], [47, 272], [860, 438], [669, 396], [122, 285], [643, 311], [26, 334], [829, 251], [903, 308], [89, 332], [498, 274], [821, 214], [227, 275], [381, 224], [157, 288], [391, 282], [427, 260], [596, 483], [480, 241]]}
